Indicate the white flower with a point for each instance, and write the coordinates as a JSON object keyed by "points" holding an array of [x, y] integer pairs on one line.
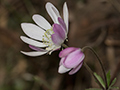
{"points": [[44, 38]]}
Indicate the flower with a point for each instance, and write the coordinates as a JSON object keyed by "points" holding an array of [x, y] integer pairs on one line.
{"points": [[44, 37], [71, 59]]}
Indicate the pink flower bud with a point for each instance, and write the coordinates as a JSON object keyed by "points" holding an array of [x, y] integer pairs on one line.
{"points": [[71, 59]]}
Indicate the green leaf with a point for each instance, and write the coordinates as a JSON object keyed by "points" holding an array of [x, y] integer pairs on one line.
{"points": [[113, 82], [110, 88], [108, 78], [93, 89], [100, 79], [114, 87]]}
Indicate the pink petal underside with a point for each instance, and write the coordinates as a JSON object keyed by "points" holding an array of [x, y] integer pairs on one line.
{"points": [[62, 23], [73, 59], [59, 34], [36, 48], [56, 40], [58, 30], [74, 70], [62, 60], [67, 51]]}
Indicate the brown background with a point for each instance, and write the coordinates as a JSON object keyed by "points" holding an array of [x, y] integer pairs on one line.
{"points": [[94, 23]]}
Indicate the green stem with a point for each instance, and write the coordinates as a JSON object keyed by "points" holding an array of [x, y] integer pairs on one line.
{"points": [[105, 78], [91, 72], [64, 45]]}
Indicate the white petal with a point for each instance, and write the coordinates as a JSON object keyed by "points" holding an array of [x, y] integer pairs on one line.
{"points": [[63, 69], [32, 42], [53, 12], [41, 21], [33, 31], [53, 48], [65, 14], [37, 53]]}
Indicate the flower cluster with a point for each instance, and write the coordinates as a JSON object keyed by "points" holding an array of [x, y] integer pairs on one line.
{"points": [[45, 38]]}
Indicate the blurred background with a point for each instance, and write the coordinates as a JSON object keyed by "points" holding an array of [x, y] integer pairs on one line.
{"points": [[94, 23]]}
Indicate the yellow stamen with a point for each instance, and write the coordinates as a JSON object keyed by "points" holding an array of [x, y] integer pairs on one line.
{"points": [[47, 35]]}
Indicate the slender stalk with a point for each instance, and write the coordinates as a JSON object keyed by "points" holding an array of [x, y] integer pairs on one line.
{"points": [[64, 45], [105, 78], [91, 72]]}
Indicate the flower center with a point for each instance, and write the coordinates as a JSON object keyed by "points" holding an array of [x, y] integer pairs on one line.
{"points": [[47, 38]]}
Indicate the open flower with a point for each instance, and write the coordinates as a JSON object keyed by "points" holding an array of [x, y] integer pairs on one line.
{"points": [[71, 59], [44, 37]]}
